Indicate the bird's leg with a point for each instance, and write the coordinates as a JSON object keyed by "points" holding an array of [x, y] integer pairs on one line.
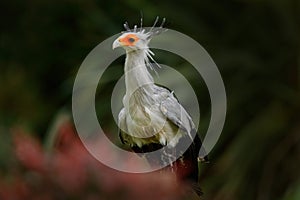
{"points": [[168, 158]]}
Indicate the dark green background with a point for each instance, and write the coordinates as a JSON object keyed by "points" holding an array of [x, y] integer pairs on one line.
{"points": [[254, 43]]}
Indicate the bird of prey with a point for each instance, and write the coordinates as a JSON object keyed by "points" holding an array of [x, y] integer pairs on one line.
{"points": [[152, 117]]}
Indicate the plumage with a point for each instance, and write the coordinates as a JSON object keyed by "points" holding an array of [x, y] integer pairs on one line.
{"points": [[152, 117]]}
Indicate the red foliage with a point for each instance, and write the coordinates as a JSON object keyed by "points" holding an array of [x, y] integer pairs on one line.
{"points": [[70, 172], [29, 151]]}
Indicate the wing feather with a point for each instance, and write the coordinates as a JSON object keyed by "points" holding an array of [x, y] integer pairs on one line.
{"points": [[175, 112]]}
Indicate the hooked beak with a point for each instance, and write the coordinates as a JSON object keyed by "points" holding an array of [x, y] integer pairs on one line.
{"points": [[116, 44]]}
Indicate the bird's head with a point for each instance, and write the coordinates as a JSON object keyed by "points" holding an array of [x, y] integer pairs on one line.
{"points": [[137, 38], [132, 41]]}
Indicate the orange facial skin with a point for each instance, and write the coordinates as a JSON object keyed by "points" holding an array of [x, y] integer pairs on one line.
{"points": [[129, 40]]}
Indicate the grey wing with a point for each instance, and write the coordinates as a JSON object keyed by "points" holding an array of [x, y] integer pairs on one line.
{"points": [[175, 112]]}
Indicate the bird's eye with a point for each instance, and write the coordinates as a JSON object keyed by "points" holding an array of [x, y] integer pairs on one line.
{"points": [[131, 40]]}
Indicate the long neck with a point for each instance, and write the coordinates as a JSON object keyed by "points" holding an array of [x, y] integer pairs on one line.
{"points": [[137, 76]]}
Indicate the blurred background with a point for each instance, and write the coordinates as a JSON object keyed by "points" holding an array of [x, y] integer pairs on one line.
{"points": [[255, 44]]}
